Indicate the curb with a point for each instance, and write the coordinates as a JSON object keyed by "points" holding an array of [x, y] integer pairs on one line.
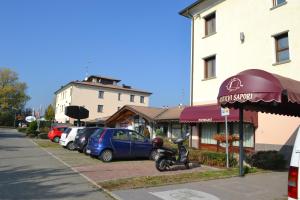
{"points": [[76, 171]]}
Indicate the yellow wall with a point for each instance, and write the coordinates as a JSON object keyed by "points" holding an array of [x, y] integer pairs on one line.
{"points": [[258, 21]]}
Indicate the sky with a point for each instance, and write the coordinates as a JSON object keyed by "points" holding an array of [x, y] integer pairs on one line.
{"points": [[146, 44]]}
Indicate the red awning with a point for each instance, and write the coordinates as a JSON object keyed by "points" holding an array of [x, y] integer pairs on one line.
{"points": [[212, 113], [258, 90]]}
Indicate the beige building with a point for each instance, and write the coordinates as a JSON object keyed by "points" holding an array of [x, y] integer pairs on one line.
{"points": [[102, 96], [229, 36]]}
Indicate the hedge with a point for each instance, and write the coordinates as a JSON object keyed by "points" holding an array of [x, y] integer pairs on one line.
{"points": [[217, 159], [271, 160]]}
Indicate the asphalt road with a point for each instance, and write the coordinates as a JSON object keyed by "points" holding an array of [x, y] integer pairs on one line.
{"points": [[28, 172]]}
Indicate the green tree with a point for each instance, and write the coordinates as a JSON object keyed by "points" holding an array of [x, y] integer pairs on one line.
{"points": [[13, 96], [12, 91], [49, 113]]}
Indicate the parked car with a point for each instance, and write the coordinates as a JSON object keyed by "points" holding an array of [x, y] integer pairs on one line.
{"points": [[82, 137], [293, 179], [119, 143], [67, 138], [55, 133]]}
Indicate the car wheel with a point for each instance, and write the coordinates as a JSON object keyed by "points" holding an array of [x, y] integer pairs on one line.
{"points": [[56, 139], [153, 154], [71, 146], [84, 150], [106, 155], [161, 164]]}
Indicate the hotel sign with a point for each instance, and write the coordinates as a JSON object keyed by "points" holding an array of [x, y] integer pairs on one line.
{"points": [[236, 97]]}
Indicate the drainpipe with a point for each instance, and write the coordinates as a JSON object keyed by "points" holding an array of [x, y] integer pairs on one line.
{"points": [[192, 59]]}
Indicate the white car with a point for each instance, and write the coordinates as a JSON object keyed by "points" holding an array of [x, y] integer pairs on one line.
{"points": [[293, 181], [67, 138]]}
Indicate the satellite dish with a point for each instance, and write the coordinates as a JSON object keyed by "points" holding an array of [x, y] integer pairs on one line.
{"points": [[30, 118]]}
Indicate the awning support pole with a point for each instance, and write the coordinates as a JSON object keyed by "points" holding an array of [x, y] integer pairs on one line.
{"points": [[241, 138]]}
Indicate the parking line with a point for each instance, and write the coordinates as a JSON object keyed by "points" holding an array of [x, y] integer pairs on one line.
{"points": [[81, 174]]}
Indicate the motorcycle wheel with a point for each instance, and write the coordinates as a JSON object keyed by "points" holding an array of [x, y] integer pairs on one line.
{"points": [[187, 166], [161, 164]]}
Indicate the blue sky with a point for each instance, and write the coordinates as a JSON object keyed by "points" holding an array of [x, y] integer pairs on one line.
{"points": [[146, 44]]}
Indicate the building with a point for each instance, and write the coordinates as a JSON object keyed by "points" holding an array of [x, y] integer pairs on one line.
{"points": [[229, 36], [147, 120], [102, 96]]}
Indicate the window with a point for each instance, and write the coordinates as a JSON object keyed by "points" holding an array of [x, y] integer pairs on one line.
{"points": [[278, 2], [210, 67], [142, 99], [100, 108], [282, 47], [101, 95], [207, 133], [131, 98], [120, 135], [210, 24], [119, 96]]}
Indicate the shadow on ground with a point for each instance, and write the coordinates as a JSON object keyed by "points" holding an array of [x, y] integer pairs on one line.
{"points": [[25, 183]]}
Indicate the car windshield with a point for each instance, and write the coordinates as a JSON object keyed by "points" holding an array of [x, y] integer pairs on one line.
{"points": [[68, 130], [98, 133], [87, 131]]}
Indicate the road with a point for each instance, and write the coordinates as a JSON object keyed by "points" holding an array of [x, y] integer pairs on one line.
{"points": [[28, 172]]}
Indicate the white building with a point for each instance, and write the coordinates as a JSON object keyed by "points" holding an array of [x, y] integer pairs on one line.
{"points": [[229, 36], [102, 96]]}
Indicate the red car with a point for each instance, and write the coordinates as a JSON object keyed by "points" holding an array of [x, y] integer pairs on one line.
{"points": [[55, 133]]}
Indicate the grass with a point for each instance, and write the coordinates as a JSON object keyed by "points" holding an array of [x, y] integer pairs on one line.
{"points": [[46, 143], [151, 181]]}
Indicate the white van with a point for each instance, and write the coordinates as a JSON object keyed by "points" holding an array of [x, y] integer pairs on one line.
{"points": [[67, 138], [293, 180]]}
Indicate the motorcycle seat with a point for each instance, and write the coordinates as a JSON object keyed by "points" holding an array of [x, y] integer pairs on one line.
{"points": [[169, 149]]}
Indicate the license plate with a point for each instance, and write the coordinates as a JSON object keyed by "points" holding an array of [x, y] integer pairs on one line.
{"points": [[88, 151]]}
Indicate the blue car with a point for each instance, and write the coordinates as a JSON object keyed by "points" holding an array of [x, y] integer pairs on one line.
{"points": [[111, 143]]}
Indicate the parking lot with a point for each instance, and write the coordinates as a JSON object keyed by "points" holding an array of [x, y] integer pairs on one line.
{"points": [[99, 171]]}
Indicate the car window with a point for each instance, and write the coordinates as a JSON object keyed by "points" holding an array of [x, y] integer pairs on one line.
{"points": [[62, 129], [120, 135], [136, 137], [68, 130]]}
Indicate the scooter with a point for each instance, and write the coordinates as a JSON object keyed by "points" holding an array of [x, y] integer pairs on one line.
{"points": [[165, 158]]}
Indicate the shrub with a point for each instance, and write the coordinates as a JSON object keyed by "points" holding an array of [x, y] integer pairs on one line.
{"points": [[31, 130], [216, 159], [159, 133], [44, 129], [271, 160]]}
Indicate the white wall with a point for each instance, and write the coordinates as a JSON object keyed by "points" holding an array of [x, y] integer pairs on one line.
{"points": [[259, 23]]}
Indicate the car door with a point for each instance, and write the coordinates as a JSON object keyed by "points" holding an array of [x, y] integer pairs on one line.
{"points": [[121, 143], [140, 146]]}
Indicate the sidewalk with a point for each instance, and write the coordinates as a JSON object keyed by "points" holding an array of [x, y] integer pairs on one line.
{"points": [[265, 186]]}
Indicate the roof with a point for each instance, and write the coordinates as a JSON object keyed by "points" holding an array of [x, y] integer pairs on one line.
{"points": [[103, 77], [100, 85], [212, 113], [148, 113], [185, 12], [100, 120], [170, 113], [259, 90]]}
